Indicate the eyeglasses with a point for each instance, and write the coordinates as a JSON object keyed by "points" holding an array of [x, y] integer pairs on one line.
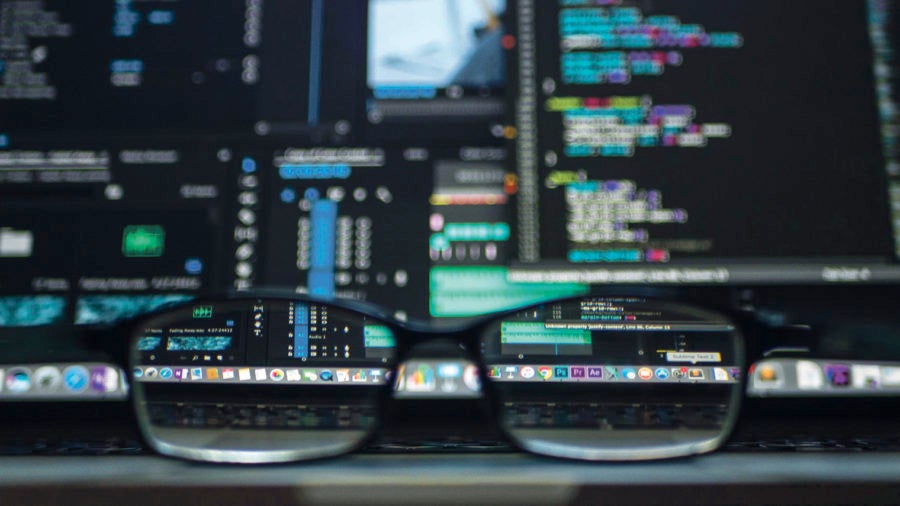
{"points": [[591, 378]]}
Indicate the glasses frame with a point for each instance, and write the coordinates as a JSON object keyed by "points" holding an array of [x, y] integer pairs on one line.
{"points": [[467, 336]]}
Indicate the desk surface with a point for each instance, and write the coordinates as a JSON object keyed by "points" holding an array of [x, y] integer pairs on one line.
{"points": [[460, 479]]}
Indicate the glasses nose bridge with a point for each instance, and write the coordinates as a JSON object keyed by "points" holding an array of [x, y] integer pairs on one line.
{"points": [[441, 343]]}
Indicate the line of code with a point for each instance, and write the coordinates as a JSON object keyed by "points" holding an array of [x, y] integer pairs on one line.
{"points": [[607, 219], [21, 23], [611, 44], [617, 126]]}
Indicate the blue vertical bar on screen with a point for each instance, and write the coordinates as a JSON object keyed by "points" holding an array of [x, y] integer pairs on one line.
{"points": [[323, 216], [301, 330], [315, 61]]}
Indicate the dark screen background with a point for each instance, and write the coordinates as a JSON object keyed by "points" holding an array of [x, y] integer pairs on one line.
{"points": [[801, 176]]}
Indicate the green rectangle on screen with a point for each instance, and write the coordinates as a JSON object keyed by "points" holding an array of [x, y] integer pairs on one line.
{"points": [[535, 333], [378, 336], [143, 241], [473, 291]]}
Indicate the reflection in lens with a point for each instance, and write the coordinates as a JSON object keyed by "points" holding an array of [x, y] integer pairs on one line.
{"points": [[260, 381], [615, 378]]}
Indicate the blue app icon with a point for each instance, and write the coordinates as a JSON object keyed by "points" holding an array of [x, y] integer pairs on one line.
{"points": [[326, 375], [561, 372], [629, 373], [76, 378], [288, 195], [193, 266], [165, 373], [662, 373]]}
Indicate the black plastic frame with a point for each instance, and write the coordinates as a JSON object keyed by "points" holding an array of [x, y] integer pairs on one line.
{"points": [[408, 335]]}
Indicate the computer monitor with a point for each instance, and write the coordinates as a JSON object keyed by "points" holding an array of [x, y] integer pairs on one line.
{"points": [[440, 158]]}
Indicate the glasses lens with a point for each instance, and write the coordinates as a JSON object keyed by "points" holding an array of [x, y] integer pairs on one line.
{"points": [[615, 378], [259, 380]]}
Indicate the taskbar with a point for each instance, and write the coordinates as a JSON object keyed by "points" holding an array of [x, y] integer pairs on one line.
{"points": [[817, 377], [261, 375], [585, 373], [83, 381], [423, 377]]}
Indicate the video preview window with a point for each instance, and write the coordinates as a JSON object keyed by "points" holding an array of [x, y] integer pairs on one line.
{"points": [[435, 44]]}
